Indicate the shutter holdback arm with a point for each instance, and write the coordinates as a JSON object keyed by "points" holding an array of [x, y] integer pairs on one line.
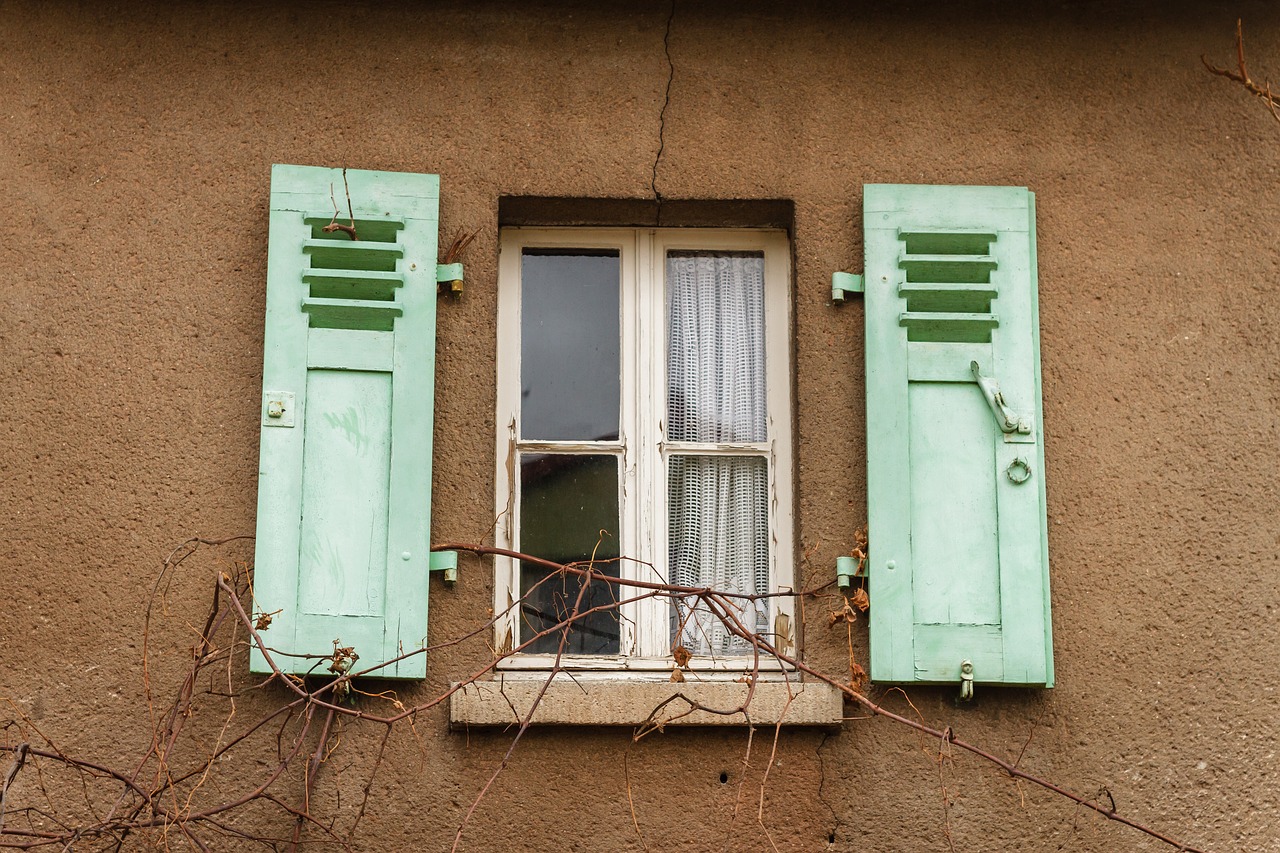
{"points": [[1006, 419]]}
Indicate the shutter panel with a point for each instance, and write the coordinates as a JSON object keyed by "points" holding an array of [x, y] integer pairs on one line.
{"points": [[344, 489], [959, 566]]}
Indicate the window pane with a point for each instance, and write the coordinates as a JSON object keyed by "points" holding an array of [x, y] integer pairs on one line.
{"points": [[569, 344], [715, 346], [566, 501], [719, 537]]}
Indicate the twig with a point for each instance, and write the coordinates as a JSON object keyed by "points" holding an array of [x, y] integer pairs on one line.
{"points": [[1242, 77], [944, 754], [773, 755], [334, 224], [763, 645], [19, 759], [626, 775], [460, 242], [309, 780], [156, 805], [1030, 735]]}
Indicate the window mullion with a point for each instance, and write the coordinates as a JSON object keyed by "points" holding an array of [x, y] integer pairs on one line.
{"points": [[632, 501], [651, 410]]}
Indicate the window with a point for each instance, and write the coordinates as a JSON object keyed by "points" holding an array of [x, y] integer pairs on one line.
{"points": [[644, 420]]}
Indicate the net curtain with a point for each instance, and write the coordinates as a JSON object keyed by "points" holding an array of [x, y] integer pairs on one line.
{"points": [[718, 505]]}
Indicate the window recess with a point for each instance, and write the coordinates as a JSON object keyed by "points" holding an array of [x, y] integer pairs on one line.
{"points": [[644, 422]]}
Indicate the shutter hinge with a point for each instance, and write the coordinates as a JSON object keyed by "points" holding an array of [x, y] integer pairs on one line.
{"points": [[845, 284], [846, 571], [966, 680], [444, 561], [451, 275]]}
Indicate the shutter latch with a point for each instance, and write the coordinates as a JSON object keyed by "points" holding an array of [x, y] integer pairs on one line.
{"points": [[845, 284], [966, 680], [1005, 417]]}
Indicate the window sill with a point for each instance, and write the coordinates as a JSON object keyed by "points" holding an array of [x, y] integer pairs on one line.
{"points": [[630, 702]]}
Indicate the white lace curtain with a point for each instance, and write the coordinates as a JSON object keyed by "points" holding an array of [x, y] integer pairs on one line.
{"points": [[718, 505]]}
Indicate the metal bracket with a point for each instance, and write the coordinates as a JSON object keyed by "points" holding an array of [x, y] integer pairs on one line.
{"points": [[845, 284], [846, 571], [446, 562], [1006, 419], [966, 680], [450, 274]]}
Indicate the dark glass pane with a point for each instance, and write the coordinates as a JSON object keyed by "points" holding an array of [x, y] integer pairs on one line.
{"points": [[566, 501], [569, 345], [715, 347]]}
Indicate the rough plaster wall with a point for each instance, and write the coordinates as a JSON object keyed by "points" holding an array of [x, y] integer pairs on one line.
{"points": [[135, 157]]}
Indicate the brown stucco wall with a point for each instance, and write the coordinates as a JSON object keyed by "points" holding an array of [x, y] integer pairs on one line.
{"points": [[136, 149]]}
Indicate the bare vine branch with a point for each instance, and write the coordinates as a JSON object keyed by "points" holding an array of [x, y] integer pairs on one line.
{"points": [[1241, 74], [763, 645], [167, 790], [334, 224]]}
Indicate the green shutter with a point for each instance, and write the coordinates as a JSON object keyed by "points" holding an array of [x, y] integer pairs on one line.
{"points": [[344, 488], [959, 566]]}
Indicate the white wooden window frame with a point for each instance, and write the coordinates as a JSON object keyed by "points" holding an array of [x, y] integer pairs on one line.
{"points": [[642, 446]]}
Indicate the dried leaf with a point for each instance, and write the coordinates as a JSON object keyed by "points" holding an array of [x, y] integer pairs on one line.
{"points": [[344, 657], [857, 676], [844, 614], [263, 620], [681, 655], [677, 676], [861, 600]]}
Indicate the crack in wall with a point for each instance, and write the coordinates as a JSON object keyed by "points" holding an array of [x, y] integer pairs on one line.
{"points": [[662, 114]]}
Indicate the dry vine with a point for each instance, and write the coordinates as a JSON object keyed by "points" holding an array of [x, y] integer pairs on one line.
{"points": [[167, 793], [1241, 75], [334, 224]]}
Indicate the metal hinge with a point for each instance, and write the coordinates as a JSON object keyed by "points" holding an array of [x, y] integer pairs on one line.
{"points": [[450, 274], [845, 284], [846, 571], [444, 561]]}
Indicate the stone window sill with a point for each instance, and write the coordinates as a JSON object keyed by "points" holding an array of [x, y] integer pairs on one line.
{"points": [[631, 702]]}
